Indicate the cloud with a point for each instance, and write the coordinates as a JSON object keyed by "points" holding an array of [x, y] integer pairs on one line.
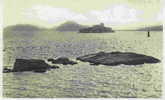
{"points": [[117, 14], [159, 16], [52, 15]]}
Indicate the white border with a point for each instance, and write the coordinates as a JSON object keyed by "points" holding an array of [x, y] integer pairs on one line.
{"points": [[1, 63], [1, 46]]}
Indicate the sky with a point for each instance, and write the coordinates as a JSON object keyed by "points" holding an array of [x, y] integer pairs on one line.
{"points": [[114, 13]]}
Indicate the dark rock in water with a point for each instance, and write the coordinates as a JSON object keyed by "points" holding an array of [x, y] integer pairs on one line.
{"points": [[7, 70], [117, 58], [55, 67], [30, 65], [50, 59], [62, 60]]}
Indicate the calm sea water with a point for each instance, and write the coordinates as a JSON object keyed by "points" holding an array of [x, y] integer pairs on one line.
{"points": [[83, 79]]}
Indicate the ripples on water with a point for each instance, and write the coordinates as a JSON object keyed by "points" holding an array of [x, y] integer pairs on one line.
{"points": [[84, 80]]}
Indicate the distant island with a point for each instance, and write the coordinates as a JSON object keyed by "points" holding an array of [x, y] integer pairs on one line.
{"points": [[147, 28], [23, 27], [96, 29], [22, 30], [152, 28], [70, 26]]}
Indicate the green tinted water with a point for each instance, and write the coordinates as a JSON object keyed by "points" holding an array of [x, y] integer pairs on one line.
{"points": [[83, 80]]}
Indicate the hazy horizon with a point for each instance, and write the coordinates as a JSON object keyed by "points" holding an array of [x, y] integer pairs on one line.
{"points": [[118, 14]]}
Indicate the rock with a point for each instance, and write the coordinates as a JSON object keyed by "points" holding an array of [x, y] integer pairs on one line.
{"points": [[50, 59], [7, 70], [30, 65], [117, 58], [62, 60], [55, 67]]}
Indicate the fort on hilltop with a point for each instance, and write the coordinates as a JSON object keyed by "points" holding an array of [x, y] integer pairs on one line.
{"points": [[97, 29]]}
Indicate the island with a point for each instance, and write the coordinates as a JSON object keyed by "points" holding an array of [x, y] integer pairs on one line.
{"points": [[96, 29]]}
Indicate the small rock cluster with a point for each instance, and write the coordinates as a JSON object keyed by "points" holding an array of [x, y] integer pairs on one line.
{"points": [[37, 65], [62, 60], [110, 59]]}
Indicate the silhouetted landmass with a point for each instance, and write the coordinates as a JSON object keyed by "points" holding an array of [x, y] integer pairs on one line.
{"points": [[117, 58], [152, 28], [96, 29], [70, 26], [21, 30], [22, 27]]}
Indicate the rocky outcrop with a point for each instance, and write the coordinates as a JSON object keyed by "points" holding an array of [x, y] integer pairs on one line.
{"points": [[62, 60], [117, 58], [111, 59], [96, 29], [35, 65], [7, 70]]}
